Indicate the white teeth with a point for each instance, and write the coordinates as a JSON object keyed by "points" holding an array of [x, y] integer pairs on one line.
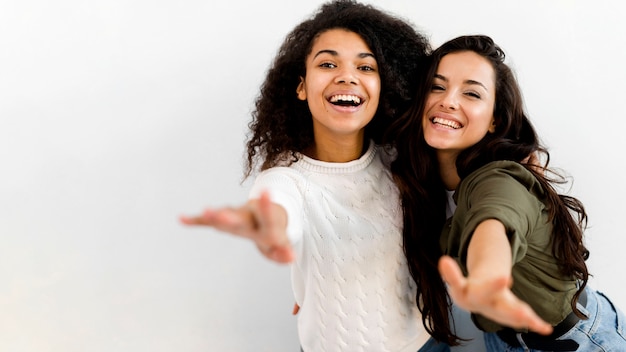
{"points": [[345, 98], [448, 123]]}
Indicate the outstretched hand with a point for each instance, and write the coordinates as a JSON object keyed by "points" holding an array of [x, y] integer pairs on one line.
{"points": [[491, 298], [260, 220]]}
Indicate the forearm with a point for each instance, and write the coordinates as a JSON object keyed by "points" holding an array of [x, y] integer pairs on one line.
{"points": [[489, 251], [486, 290]]}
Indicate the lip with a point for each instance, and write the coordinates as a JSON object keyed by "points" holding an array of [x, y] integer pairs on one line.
{"points": [[345, 108], [447, 117], [345, 92]]}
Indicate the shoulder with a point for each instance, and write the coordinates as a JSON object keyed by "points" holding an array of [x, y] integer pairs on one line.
{"points": [[504, 188], [501, 166], [504, 179], [277, 178], [502, 171], [386, 153]]}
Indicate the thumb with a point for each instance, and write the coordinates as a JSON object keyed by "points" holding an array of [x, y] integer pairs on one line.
{"points": [[450, 271]]}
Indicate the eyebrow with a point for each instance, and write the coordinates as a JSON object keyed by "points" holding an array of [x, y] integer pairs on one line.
{"points": [[468, 81], [335, 53]]}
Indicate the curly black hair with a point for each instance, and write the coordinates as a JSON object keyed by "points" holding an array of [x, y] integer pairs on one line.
{"points": [[282, 126]]}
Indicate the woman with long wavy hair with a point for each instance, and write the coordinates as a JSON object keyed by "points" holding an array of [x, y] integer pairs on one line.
{"points": [[485, 226]]}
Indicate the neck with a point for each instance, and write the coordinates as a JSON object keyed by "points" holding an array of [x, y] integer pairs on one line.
{"points": [[447, 171], [339, 150]]}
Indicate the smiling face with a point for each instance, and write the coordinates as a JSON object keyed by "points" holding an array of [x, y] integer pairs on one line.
{"points": [[459, 108], [341, 86]]}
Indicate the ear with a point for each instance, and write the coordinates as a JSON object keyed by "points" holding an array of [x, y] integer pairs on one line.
{"points": [[492, 127], [300, 90]]}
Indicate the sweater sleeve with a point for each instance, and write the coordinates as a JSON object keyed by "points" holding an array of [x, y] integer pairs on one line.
{"points": [[283, 189]]}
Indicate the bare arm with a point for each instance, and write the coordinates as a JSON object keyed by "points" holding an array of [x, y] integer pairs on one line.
{"points": [[260, 220], [486, 290]]}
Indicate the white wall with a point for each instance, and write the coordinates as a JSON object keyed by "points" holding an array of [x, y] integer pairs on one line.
{"points": [[118, 116]]}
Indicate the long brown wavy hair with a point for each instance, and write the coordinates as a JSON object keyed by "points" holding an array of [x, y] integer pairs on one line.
{"points": [[423, 194], [281, 125]]}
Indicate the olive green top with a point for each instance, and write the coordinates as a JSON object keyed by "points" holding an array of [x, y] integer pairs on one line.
{"points": [[506, 191]]}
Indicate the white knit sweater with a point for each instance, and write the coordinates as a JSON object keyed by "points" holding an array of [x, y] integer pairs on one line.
{"points": [[350, 276]]}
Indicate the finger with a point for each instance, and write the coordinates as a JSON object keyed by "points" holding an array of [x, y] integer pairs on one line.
{"points": [[296, 309], [206, 218], [451, 272], [279, 254], [195, 220], [512, 311], [456, 282], [274, 235], [236, 221], [533, 321], [263, 223], [541, 327], [282, 254], [265, 212], [188, 220]]}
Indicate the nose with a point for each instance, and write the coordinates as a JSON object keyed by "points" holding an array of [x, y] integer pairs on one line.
{"points": [[449, 101], [346, 75]]}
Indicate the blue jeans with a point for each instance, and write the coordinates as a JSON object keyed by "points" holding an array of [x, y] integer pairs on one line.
{"points": [[434, 346], [604, 331]]}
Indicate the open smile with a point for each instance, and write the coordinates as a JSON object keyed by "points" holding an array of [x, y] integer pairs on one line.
{"points": [[345, 100], [446, 123]]}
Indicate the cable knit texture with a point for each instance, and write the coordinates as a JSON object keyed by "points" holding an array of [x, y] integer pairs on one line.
{"points": [[350, 277]]}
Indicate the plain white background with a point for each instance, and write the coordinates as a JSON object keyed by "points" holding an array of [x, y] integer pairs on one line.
{"points": [[118, 116]]}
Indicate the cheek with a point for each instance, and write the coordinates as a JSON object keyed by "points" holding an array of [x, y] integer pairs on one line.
{"points": [[425, 125], [428, 107], [488, 118], [373, 87], [430, 102]]}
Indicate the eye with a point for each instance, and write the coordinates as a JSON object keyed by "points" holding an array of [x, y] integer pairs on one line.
{"points": [[473, 94], [327, 65], [437, 87], [368, 68]]}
